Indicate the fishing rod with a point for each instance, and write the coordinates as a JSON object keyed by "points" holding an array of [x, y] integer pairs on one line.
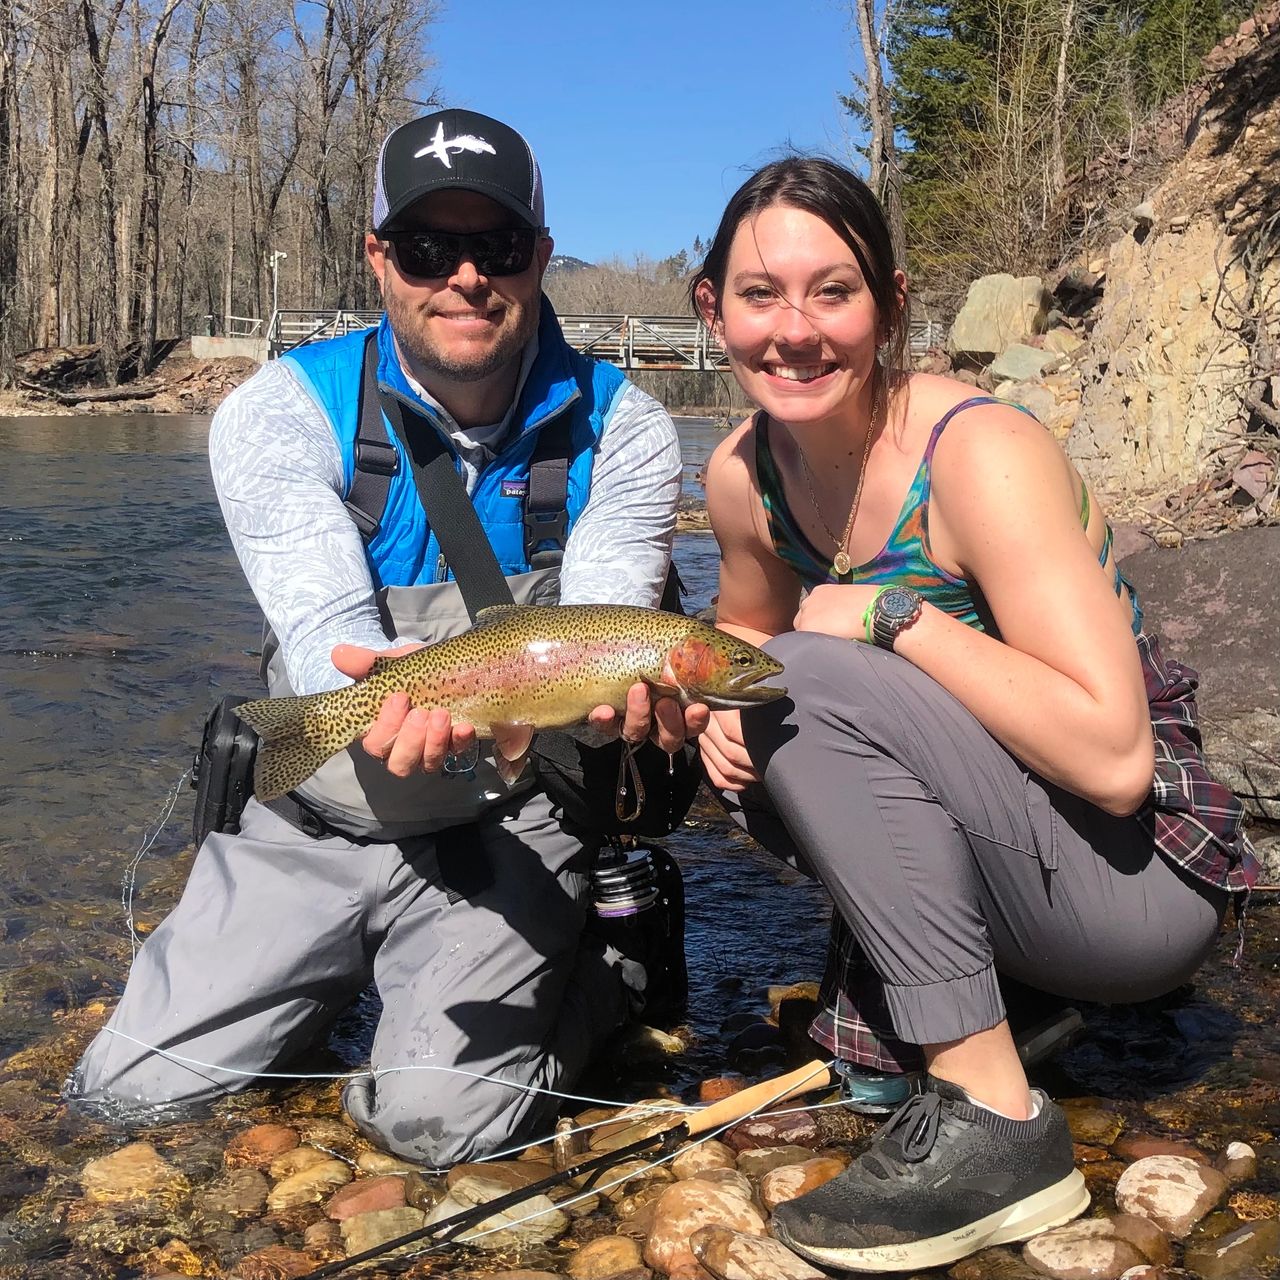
{"points": [[708, 1120]]}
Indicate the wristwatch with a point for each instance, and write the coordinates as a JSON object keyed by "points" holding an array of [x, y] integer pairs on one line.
{"points": [[893, 612]]}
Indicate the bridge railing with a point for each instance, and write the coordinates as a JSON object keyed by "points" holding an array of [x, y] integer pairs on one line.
{"points": [[629, 341], [297, 327]]}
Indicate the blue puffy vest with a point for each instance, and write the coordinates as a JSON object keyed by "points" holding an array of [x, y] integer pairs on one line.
{"points": [[404, 552]]}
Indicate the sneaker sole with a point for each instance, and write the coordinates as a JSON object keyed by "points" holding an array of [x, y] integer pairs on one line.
{"points": [[1051, 1207]]}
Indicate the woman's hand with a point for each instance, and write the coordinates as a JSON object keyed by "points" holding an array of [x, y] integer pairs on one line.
{"points": [[407, 739], [663, 720], [724, 754], [836, 609]]}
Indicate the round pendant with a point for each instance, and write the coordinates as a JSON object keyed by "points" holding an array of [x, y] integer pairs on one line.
{"points": [[841, 563]]}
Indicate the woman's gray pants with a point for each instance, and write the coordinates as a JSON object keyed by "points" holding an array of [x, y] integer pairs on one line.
{"points": [[947, 860], [474, 937]]}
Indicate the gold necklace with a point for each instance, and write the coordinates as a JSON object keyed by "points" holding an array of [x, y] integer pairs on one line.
{"points": [[840, 561]]}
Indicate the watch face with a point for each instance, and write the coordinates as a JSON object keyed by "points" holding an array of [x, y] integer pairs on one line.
{"points": [[900, 602]]}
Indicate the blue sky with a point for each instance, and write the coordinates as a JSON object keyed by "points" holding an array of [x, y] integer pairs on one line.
{"points": [[647, 116]]}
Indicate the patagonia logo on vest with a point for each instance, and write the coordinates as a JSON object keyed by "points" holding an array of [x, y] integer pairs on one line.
{"points": [[515, 488]]}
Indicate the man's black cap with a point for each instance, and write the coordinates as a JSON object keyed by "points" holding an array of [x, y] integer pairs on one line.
{"points": [[458, 149]]}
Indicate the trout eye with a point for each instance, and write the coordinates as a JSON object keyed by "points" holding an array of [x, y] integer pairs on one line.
{"points": [[742, 658]]}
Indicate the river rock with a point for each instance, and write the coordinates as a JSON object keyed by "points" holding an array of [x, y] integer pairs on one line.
{"points": [[717, 1088], [684, 1208], [1084, 1250], [239, 1192], [1229, 1255], [795, 1129], [1145, 1236], [703, 1155], [757, 1162], [1092, 1125], [275, 1262], [309, 1185], [1173, 1191], [365, 1195], [330, 1134], [729, 1255], [1237, 1163], [635, 1202], [376, 1163], [1137, 1146], [135, 1172], [295, 1161], [604, 1257], [372, 1230], [795, 1180], [259, 1146], [539, 1220], [324, 1240], [993, 1264], [730, 1180], [631, 1125]]}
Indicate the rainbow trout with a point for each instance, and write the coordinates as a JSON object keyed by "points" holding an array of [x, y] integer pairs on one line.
{"points": [[520, 666]]}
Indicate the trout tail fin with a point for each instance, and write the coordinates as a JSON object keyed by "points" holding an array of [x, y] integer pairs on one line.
{"points": [[298, 736]]}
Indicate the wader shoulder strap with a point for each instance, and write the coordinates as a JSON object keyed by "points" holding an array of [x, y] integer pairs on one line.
{"points": [[546, 506], [376, 460], [463, 541]]}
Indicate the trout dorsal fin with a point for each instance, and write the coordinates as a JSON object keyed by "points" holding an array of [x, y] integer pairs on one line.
{"points": [[496, 612]]}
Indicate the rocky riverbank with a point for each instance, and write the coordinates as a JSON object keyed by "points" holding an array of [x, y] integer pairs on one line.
{"points": [[1173, 1106]]}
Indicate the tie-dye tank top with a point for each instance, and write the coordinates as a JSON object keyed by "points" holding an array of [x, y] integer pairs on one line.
{"points": [[904, 560]]}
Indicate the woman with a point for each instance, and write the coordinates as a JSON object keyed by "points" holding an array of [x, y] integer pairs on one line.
{"points": [[983, 757]]}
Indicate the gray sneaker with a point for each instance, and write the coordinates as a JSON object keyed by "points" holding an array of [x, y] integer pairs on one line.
{"points": [[941, 1180]]}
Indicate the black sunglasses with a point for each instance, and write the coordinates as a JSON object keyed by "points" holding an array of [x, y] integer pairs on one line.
{"points": [[505, 252]]}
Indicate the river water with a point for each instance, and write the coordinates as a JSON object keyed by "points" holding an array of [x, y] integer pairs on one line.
{"points": [[124, 616]]}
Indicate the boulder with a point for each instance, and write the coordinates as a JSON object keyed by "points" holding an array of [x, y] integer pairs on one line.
{"points": [[997, 311], [729, 1255], [686, 1207], [1020, 363], [1212, 605]]}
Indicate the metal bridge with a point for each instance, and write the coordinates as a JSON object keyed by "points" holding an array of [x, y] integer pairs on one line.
{"points": [[674, 343]]}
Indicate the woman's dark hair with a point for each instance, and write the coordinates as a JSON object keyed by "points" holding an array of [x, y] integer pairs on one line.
{"points": [[845, 203]]}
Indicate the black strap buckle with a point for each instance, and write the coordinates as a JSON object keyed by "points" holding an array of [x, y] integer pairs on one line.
{"points": [[378, 457], [366, 523], [544, 526]]}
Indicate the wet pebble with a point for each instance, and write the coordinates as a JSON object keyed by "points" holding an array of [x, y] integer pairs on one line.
{"points": [[729, 1255], [1088, 1249], [376, 1162], [703, 1155], [759, 1161], [1173, 1191], [1137, 1146], [533, 1221], [796, 1128], [994, 1264], [684, 1208], [604, 1257], [323, 1241], [1238, 1163], [729, 1180], [135, 1172], [373, 1230], [275, 1262], [309, 1185], [295, 1161], [1229, 1255], [364, 1195], [1093, 1125], [260, 1145], [717, 1088], [238, 1193], [795, 1180]]}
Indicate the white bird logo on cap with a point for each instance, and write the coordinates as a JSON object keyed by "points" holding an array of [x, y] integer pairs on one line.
{"points": [[441, 146]]}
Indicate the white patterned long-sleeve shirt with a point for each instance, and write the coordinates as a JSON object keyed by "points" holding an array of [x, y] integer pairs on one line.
{"points": [[278, 472]]}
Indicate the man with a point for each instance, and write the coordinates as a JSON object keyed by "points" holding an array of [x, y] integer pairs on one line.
{"points": [[461, 896]]}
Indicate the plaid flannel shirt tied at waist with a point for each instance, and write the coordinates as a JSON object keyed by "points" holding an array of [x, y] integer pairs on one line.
{"points": [[1195, 821]]}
